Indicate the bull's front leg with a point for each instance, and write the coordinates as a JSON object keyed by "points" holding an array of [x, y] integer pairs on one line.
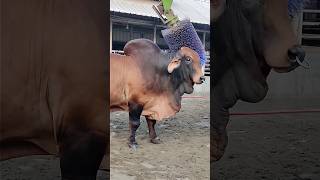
{"points": [[152, 132], [218, 130], [135, 111], [225, 95], [81, 152]]}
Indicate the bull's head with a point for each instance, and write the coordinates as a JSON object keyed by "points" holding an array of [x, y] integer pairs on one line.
{"points": [[282, 52], [185, 70], [279, 42]]}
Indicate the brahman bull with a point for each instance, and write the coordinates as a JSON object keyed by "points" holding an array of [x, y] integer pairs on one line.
{"points": [[250, 37], [147, 81], [54, 95]]}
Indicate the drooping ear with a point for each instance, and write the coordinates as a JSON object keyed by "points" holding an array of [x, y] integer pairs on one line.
{"points": [[174, 63]]}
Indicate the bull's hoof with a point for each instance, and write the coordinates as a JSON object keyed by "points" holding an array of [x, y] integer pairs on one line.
{"points": [[133, 146], [216, 155], [218, 146], [216, 151], [155, 140]]}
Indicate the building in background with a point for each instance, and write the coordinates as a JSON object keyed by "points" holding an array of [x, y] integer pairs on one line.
{"points": [[132, 19], [310, 30]]}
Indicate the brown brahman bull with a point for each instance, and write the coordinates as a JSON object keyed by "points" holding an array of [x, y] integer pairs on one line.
{"points": [[147, 81]]}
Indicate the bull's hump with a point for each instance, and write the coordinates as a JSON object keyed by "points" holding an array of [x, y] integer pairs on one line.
{"points": [[137, 46]]}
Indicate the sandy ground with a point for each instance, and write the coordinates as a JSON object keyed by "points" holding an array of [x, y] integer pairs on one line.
{"points": [[183, 153], [272, 147]]}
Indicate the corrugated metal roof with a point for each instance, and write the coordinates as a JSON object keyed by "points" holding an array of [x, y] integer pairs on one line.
{"points": [[198, 11]]}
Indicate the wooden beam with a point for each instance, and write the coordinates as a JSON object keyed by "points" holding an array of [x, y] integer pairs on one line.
{"points": [[155, 34], [111, 36], [204, 40]]}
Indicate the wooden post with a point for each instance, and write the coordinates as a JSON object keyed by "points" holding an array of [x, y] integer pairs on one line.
{"points": [[110, 36], [297, 24], [204, 40], [155, 34], [300, 27]]}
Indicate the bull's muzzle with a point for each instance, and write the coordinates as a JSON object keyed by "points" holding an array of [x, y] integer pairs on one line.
{"points": [[297, 58], [202, 79]]}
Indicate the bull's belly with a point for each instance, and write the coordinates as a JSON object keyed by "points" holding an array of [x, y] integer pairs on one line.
{"points": [[114, 109], [15, 144], [117, 100], [119, 107], [25, 130]]}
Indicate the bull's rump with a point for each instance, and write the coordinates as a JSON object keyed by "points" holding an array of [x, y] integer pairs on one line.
{"points": [[53, 69]]}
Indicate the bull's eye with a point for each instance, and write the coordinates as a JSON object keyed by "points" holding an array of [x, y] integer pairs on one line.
{"points": [[188, 60]]}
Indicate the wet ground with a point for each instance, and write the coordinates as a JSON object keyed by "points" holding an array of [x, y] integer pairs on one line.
{"points": [[275, 146]]}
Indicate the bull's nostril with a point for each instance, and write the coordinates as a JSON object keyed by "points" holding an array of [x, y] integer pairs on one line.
{"points": [[296, 52], [297, 56], [202, 78]]}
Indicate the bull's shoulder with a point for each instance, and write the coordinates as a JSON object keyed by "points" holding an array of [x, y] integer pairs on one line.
{"points": [[136, 46]]}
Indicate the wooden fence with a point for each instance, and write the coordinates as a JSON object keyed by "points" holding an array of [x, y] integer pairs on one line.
{"points": [[309, 31]]}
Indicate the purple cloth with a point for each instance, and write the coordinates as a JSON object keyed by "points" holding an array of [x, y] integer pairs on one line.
{"points": [[295, 6], [184, 34]]}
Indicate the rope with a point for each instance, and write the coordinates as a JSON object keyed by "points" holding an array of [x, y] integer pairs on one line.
{"points": [[288, 111]]}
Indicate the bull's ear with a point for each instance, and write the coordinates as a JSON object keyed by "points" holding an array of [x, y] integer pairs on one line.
{"points": [[218, 8], [175, 63]]}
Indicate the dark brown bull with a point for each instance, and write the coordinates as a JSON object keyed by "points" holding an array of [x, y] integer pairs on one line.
{"points": [[147, 81], [250, 37], [54, 82]]}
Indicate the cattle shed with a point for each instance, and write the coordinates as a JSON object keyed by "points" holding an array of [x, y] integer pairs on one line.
{"points": [[309, 24], [132, 19]]}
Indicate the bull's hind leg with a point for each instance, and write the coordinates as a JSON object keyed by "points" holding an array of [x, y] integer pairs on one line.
{"points": [[152, 133], [81, 153], [135, 111]]}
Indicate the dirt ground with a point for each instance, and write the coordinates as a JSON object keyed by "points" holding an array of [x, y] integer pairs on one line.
{"points": [[182, 155], [272, 147]]}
